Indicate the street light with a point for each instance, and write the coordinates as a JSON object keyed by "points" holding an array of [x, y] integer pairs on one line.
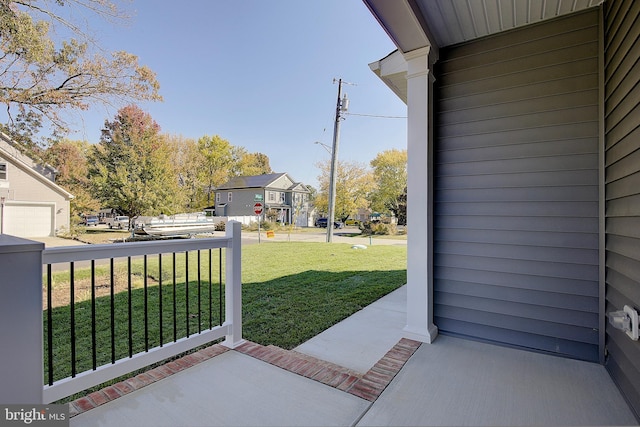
{"points": [[325, 146]]}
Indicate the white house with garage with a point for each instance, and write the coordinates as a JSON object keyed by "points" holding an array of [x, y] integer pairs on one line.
{"points": [[31, 203]]}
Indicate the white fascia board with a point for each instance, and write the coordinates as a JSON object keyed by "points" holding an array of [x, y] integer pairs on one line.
{"points": [[392, 70]]}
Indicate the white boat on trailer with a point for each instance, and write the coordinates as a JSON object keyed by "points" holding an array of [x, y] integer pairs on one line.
{"points": [[184, 224]]}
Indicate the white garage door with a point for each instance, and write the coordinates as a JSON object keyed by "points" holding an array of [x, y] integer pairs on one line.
{"points": [[28, 220]]}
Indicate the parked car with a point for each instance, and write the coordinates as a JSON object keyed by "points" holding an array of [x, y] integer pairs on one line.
{"points": [[352, 221], [121, 222], [91, 220], [322, 222]]}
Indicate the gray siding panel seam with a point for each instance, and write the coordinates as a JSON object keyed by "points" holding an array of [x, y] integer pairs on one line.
{"points": [[513, 86], [478, 107], [524, 268], [552, 285], [512, 66], [620, 44], [516, 144], [512, 115], [460, 60], [622, 148], [613, 19], [534, 326], [480, 85], [488, 132]]}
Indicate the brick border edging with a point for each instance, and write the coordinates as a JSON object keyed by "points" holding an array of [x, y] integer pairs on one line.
{"points": [[368, 386]]}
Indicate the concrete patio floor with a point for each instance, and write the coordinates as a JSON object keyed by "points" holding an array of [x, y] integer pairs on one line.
{"points": [[450, 382]]}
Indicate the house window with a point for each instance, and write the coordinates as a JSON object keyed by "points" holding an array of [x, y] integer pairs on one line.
{"points": [[217, 197], [281, 197], [272, 196], [3, 171], [229, 196]]}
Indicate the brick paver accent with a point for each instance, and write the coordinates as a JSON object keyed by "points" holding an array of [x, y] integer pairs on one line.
{"points": [[368, 386]]}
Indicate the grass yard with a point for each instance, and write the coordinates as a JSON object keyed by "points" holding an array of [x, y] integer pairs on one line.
{"points": [[292, 291]]}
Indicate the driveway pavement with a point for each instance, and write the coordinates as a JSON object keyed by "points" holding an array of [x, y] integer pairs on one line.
{"points": [[251, 237], [50, 242]]}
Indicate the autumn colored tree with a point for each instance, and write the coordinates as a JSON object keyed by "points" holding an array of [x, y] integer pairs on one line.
{"points": [[390, 175], [249, 164], [131, 167], [70, 160], [50, 64], [353, 184]]}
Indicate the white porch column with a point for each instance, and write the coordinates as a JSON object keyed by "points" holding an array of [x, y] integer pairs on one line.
{"points": [[233, 286], [420, 197]]}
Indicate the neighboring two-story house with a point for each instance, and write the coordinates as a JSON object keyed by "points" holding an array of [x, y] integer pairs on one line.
{"points": [[33, 205], [280, 195]]}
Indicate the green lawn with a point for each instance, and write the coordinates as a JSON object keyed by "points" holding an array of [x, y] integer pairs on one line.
{"points": [[294, 291], [291, 292]]}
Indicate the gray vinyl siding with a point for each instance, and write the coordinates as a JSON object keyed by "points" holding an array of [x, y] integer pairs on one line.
{"points": [[622, 186], [516, 204]]}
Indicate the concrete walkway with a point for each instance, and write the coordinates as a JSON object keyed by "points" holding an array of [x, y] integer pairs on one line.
{"points": [[362, 339], [450, 382], [236, 389]]}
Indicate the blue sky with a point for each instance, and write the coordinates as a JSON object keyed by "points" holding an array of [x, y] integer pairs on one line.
{"points": [[260, 74]]}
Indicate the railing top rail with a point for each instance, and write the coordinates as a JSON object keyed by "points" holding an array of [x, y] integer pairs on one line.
{"points": [[121, 250]]}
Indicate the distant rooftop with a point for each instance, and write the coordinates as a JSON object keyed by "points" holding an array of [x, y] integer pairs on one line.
{"points": [[255, 181]]}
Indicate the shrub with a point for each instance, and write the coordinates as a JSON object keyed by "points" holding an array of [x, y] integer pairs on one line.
{"points": [[381, 229], [221, 226], [74, 231], [378, 228]]}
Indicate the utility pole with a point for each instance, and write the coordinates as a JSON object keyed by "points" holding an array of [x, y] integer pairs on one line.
{"points": [[341, 107]]}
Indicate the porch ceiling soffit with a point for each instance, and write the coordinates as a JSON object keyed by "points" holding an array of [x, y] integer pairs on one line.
{"points": [[413, 24], [416, 24]]}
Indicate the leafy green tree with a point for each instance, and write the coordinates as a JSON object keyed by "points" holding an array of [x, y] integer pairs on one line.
{"points": [[131, 167], [402, 208], [217, 156], [70, 159], [390, 175], [188, 161], [353, 184], [49, 64], [210, 161], [313, 192]]}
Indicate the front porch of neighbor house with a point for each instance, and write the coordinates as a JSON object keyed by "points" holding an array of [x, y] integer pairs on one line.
{"points": [[449, 382]]}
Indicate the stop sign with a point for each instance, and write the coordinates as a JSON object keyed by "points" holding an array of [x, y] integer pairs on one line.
{"points": [[257, 208]]}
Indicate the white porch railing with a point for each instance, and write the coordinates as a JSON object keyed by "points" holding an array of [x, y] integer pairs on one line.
{"points": [[21, 313]]}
